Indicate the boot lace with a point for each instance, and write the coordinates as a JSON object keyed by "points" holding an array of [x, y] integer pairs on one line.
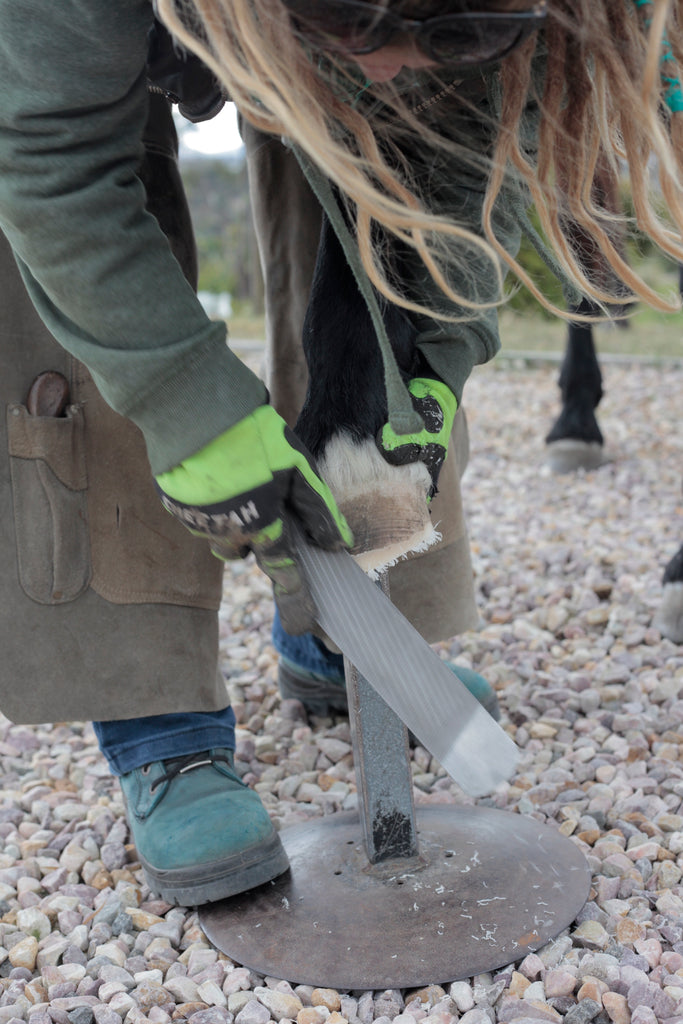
{"points": [[181, 765]]}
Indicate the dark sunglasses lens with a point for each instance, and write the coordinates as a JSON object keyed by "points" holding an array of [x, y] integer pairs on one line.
{"points": [[474, 41], [353, 28]]}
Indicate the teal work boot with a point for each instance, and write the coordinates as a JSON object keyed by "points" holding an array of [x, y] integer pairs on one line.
{"points": [[479, 687], [325, 694], [200, 833], [320, 694]]}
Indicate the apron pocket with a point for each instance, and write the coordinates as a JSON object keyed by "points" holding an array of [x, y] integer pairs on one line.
{"points": [[49, 481]]}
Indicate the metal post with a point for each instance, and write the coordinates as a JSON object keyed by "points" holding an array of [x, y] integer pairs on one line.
{"points": [[383, 774]]}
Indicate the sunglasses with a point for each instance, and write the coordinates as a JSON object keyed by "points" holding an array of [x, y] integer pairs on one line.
{"points": [[466, 38]]}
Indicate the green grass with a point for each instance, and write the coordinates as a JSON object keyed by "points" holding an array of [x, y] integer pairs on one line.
{"points": [[247, 325], [649, 334]]}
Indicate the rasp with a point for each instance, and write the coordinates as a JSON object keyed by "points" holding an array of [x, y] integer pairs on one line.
{"points": [[416, 684]]}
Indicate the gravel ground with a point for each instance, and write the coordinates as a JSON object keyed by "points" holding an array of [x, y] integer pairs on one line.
{"points": [[568, 573]]}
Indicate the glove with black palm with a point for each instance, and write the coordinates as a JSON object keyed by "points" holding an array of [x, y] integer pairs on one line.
{"points": [[243, 491], [437, 405]]}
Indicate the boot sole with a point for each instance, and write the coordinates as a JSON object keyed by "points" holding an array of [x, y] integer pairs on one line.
{"points": [[217, 880]]}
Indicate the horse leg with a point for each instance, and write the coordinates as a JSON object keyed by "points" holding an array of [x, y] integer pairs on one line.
{"points": [[575, 440], [669, 619], [346, 406]]}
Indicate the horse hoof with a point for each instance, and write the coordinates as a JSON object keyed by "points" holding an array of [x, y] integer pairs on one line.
{"points": [[669, 619], [385, 506], [386, 526], [570, 454]]}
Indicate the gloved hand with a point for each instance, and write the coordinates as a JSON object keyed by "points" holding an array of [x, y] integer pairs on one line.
{"points": [[437, 405], [242, 491]]}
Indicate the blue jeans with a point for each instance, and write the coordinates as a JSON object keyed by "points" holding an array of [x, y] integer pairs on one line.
{"points": [[307, 652], [132, 742]]}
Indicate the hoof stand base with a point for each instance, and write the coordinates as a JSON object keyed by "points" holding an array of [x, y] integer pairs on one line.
{"points": [[488, 887]]}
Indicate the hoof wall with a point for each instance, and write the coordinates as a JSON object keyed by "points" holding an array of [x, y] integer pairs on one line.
{"points": [[669, 618], [570, 454], [385, 506]]}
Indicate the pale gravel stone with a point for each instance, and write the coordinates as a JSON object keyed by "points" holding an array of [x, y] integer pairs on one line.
{"points": [[107, 991], [11, 1012], [559, 983], [478, 1015], [254, 1012], [209, 992], [365, 1008], [389, 1003], [105, 1015], [237, 979], [592, 935], [121, 1003], [34, 922], [462, 995], [112, 952], [155, 976], [535, 991], [213, 1015], [24, 953], [532, 966], [236, 1000], [327, 997], [349, 1007], [279, 1004], [643, 1015], [182, 988]]}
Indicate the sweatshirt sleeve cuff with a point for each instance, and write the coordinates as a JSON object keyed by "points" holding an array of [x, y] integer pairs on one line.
{"points": [[204, 398]]}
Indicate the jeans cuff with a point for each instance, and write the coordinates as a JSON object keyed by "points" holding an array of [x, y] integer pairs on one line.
{"points": [[148, 742]]}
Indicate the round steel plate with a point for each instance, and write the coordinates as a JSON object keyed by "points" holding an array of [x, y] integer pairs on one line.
{"points": [[490, 887]]}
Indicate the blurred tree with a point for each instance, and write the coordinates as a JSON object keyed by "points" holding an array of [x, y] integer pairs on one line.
{"points": [[218, 194]]}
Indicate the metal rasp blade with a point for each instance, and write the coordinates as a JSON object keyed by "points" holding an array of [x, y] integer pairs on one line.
{"points": [[389, 652]]}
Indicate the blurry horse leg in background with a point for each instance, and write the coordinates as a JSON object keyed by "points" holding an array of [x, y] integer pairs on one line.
{"points": [[669, 618], [575, 440]]}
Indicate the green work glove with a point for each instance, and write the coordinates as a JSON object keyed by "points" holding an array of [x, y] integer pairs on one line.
{"points": [[242, 492], [437, 405]]}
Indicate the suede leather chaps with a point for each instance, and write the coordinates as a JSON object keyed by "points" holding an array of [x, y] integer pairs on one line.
{"points": [[109, 606]]}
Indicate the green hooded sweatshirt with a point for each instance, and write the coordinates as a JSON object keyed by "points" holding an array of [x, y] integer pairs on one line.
{"points": [[97, 266]]}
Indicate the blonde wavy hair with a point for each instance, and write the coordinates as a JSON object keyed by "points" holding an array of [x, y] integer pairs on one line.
{"points": [[604, 104]]}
